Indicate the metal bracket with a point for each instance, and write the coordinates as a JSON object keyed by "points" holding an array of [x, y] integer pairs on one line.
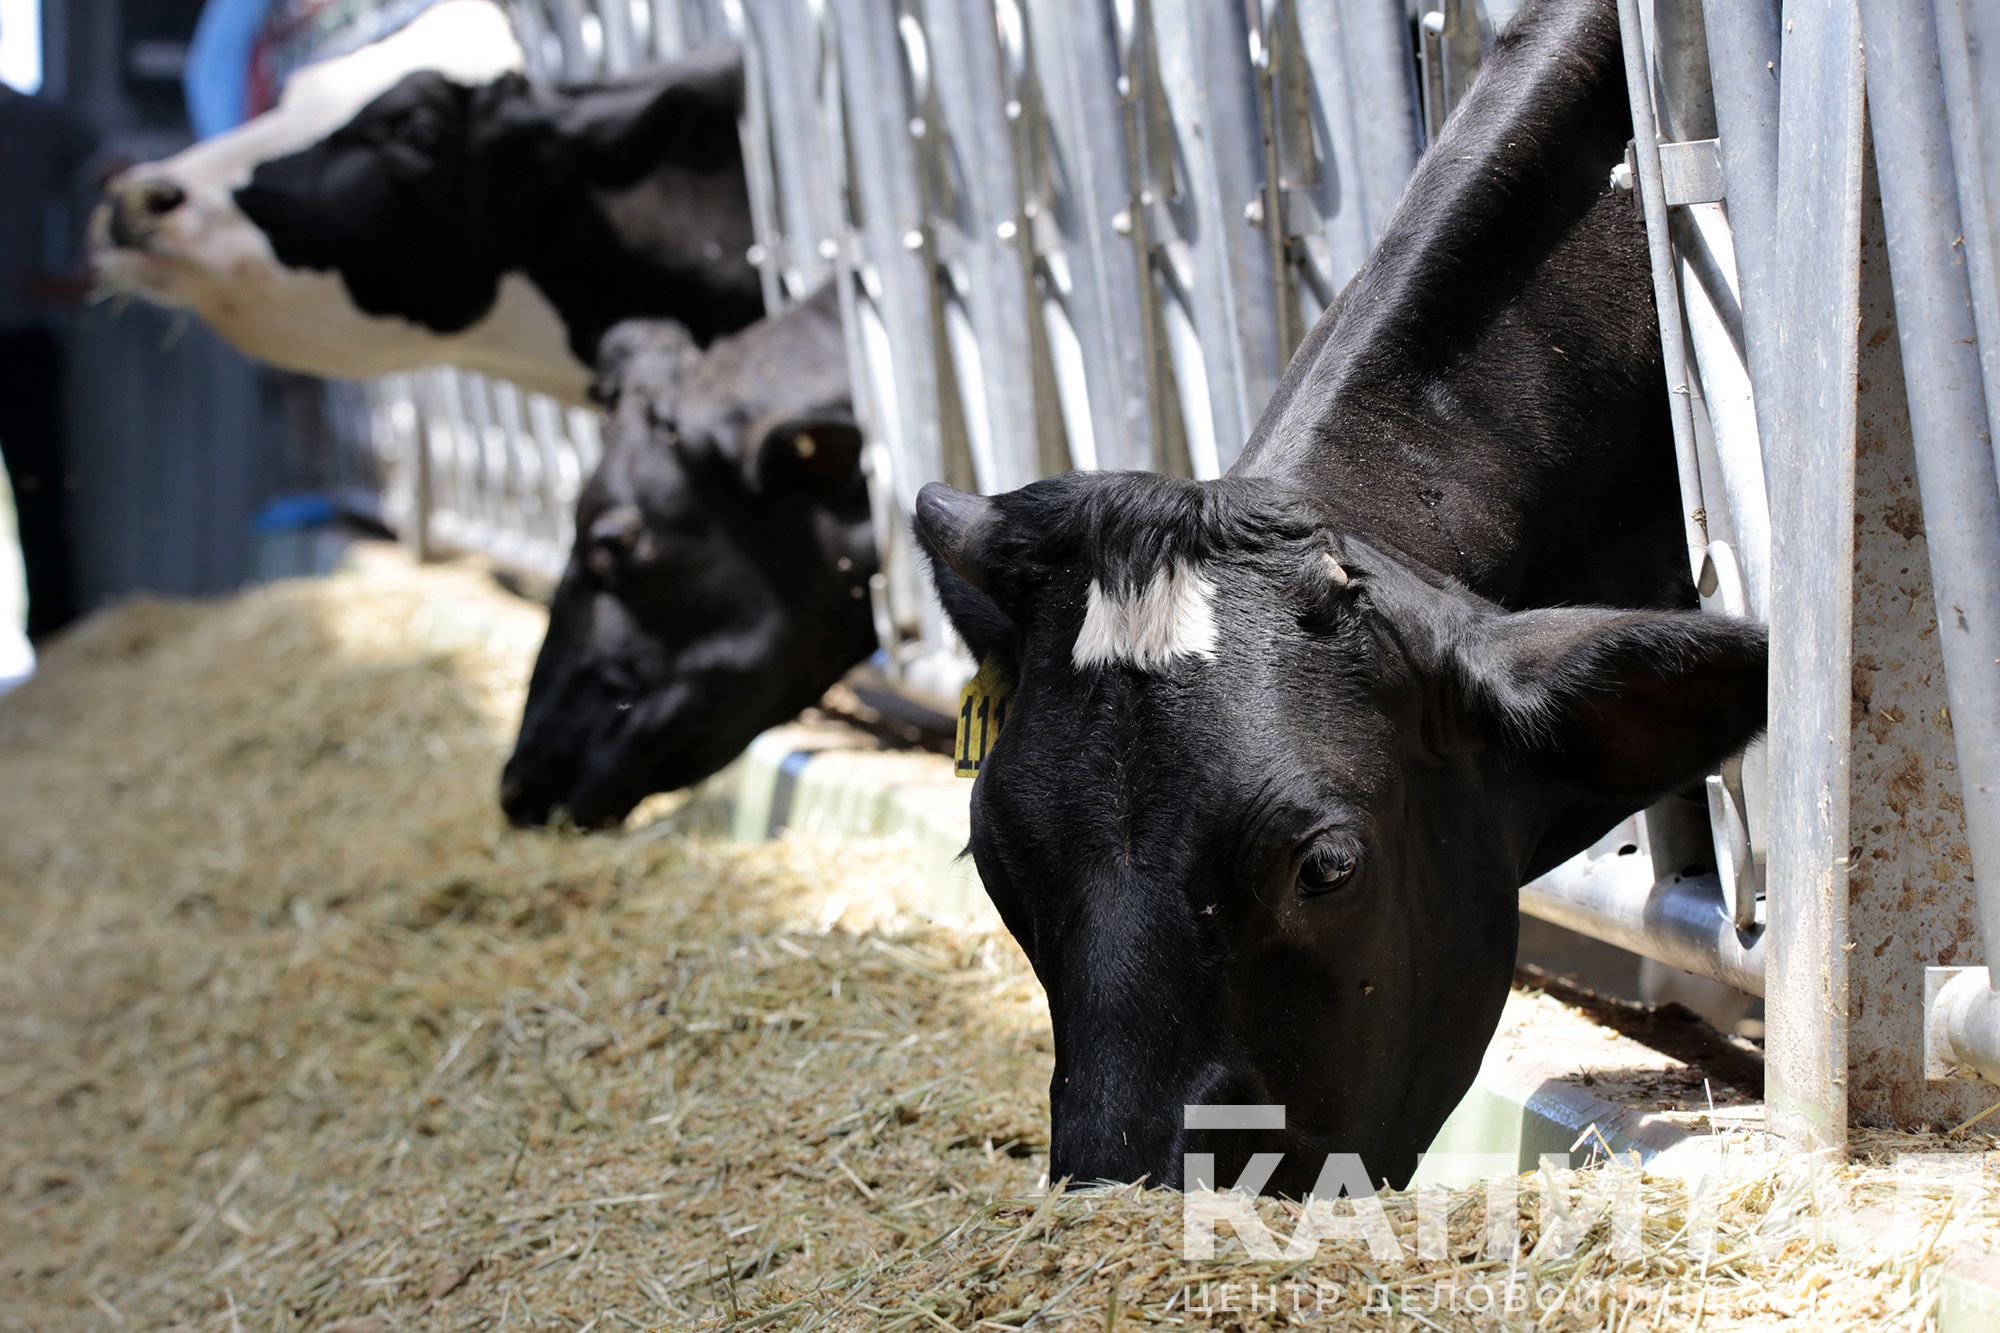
{"points": [[1721, 587], [1691, 172], [1733, 863], [1961, 1024], [1940, 1059]]}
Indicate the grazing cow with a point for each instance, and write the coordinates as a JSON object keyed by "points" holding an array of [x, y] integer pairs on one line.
{"points": [[719, 582], [418, 202], [1283, 744]]}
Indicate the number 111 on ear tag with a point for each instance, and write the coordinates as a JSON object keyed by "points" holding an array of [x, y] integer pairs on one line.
{"points": [[982, 710]]}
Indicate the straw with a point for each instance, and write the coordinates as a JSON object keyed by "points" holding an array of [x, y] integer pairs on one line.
{"points": [[294, 1033]]}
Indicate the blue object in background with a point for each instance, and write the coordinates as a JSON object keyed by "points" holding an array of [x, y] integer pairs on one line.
{"points": [[217, 76], [293, 513], [296, 536]]}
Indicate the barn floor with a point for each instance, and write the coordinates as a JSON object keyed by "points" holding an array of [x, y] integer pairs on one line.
{"points": [[295, 1033]]}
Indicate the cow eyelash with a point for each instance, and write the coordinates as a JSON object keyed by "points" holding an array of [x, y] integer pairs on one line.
{"points": [[1328, 864]]}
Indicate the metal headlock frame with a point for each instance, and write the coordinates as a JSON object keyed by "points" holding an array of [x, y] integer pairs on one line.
{"points": [[1087, 233]]}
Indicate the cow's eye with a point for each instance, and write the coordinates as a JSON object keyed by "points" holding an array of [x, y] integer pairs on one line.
{"points": [[1325, 867], [616, 542], [603, 560]]}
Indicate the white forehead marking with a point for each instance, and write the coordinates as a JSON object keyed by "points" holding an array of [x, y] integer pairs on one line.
{"points": [[1172, 616]]}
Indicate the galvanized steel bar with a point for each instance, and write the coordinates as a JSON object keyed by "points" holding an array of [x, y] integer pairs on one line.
{"points": [[1732, 504], [1092, 276], [1736, 500], [1345, 135], [1210, 221], [893, 321], [788, 152], [975, 201], [1969, 50], [1815, 304], [760, 153], [1731, 499], [1682, 920], [1743, 69], [1666, 294], [1948, 410]]}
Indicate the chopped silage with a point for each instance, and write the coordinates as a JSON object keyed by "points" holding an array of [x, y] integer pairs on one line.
{"points": [[295, 1033]]}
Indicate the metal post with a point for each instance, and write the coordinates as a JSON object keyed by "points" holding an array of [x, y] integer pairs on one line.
{"points": [[423, 491], [1815, 300]]}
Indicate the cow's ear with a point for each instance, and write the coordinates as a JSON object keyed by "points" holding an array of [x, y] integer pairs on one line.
{"points": [[615, 353], [644, 356], [818, 452], [1629, 705]]}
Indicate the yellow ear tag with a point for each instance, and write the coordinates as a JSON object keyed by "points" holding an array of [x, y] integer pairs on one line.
{"points": [[982, 711]]}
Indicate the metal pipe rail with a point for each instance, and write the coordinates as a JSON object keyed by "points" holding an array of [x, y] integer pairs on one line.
{"points": [[1682, 921], [1962, 1028]]}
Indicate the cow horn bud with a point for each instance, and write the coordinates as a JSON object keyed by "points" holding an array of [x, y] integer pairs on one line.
{"points": [[1337, 572]]}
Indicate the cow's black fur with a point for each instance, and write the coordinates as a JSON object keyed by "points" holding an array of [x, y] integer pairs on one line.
{"points": [[1287, 873], [616, 201], [718, 582]]}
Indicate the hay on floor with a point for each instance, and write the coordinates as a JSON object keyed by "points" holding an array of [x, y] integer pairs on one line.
{"points": [[295, 1033]]}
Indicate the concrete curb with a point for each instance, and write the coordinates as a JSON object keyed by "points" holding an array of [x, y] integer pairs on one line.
{"points": [[827, 779]]}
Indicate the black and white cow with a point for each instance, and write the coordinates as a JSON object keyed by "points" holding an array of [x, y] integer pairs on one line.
{"points": [[1284, 744], [417, 202], [719, 582]]}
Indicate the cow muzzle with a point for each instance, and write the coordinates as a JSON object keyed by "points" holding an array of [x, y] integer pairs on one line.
{"points": [[134, 210], [526, 801]]}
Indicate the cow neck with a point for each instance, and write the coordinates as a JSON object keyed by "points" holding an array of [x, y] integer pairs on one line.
{"points": [[583, 249], [1487, 389]]}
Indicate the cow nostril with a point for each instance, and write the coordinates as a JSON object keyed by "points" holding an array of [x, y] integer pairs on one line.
{"points": [[160, 198], [522, 806], [136, 210]]}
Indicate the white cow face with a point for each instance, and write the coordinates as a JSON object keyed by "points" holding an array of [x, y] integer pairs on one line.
{"points": [[174, 231]]}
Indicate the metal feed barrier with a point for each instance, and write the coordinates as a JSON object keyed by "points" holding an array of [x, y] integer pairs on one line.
{"points": [[1087, 233]]}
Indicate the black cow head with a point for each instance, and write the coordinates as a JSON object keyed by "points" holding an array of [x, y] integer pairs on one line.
{"points": [[436, 190], [1266, 791], [401, 202], [718, 582]]}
